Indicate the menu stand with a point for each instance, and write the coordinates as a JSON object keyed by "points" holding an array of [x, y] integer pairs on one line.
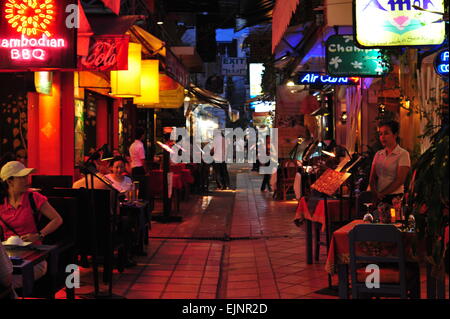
{"points": [[327, 185]]}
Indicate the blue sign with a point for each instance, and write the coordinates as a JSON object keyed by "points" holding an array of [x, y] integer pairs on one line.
{"points": [[441, 63], [318, 78]]}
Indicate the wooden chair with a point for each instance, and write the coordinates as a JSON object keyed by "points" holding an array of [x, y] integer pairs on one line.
{"points": [[397, 278], [105, 238], [65, 238], [288, 170]]}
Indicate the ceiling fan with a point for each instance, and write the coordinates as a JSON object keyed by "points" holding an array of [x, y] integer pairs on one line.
{"points": [[443, 14]]}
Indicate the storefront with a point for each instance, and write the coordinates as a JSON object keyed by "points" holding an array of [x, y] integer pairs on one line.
{"points": [[37, 59]]}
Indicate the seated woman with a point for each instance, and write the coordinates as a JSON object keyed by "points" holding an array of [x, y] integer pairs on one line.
{"points": [[119, 180], [17, 214]]}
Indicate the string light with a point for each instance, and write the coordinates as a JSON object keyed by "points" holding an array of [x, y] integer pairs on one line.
{"points": [[30, 17]]}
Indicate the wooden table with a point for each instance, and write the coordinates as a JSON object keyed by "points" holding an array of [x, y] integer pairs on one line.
{"points": [[139, 212], [31, 257]]}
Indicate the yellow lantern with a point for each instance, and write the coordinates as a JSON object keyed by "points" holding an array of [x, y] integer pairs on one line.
{"points": [[149, 84], [128, 83]]}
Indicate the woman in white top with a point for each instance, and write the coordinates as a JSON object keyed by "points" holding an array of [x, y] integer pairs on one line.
{"points": [[390, 165], [119, 181]]}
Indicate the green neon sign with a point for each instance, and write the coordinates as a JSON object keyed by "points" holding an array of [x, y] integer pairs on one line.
{"points": [[344, 58]]}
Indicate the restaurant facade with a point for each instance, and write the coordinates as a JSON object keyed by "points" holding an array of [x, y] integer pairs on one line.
{"points": [[71, 86]]}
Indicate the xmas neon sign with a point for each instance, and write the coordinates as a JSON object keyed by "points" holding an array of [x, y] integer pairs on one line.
{"points": [[34, 33]]}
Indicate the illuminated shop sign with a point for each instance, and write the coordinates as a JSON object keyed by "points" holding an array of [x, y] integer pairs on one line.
{"points": [[38, 34], [441, 63], [381, 23], [344, 58], [322, 79]]}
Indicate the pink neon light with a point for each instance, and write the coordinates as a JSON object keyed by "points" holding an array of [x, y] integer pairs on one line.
{"points": [[27, 54]]}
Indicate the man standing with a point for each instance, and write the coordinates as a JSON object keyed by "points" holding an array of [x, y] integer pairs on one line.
{"points": [[137, 158]]}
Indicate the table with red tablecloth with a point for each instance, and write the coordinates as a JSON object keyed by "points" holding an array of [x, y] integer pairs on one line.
{"points": [[307, 211], [156, 181], [313, 210], [339, 256]]}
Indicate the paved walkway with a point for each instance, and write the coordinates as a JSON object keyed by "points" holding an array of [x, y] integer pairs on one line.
{"points": [[231, 244]]}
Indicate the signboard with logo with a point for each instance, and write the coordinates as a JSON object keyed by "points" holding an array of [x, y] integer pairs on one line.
{"points": [[441, 64], [344, 58], [106, 53], [38, 34], [306, 78], [380, 23], [234, 66]]}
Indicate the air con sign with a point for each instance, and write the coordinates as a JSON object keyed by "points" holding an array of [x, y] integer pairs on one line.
{"points": [[380, 23], [38, 34]]}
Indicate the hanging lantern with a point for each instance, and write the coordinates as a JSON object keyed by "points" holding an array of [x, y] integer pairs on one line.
{"points": [[149, 84], [128, 83], [43, 82]]}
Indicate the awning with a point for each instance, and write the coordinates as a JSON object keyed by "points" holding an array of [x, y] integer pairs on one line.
{"points": [[209, 97], [113, 5], [288, 45], [151, 45], [110, 25], [282, 13], [254, 12], [84, 33]]}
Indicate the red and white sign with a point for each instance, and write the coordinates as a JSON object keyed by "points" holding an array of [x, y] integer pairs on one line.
{"points": [[106, 53], [38, 34]]}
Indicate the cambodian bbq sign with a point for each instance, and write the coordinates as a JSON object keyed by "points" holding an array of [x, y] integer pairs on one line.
{"points": [[38, 34], [344, 58], [380, 23]]}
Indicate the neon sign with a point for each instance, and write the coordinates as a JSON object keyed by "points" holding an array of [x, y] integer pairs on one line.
{"points": [[317, 78], [30, 17], [35, 34], [441, 63], [380, 23]]}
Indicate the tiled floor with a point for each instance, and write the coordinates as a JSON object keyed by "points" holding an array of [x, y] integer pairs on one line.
{"points": [[231, 244]]}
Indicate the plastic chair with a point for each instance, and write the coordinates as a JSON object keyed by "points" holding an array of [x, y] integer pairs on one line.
{"points": [[397, 278]]}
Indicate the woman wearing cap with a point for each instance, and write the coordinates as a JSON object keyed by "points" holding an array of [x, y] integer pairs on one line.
{"points": [[16, 212]]}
